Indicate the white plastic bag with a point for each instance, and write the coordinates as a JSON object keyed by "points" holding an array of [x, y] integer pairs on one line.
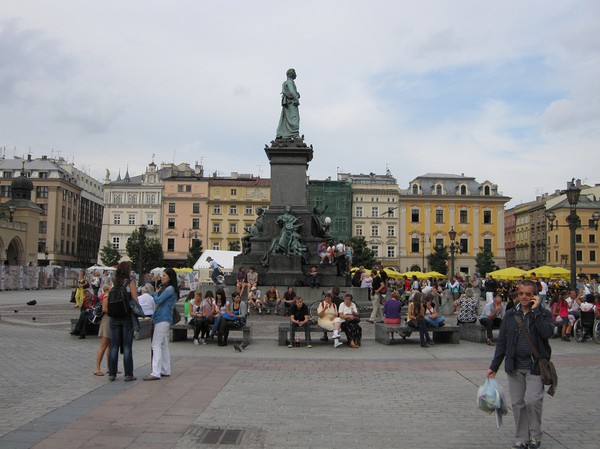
{"points": [[491, 398]]}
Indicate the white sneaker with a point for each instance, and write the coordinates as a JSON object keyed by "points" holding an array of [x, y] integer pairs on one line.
{"points": [[337, 343], [203, 341], [196, 342]]}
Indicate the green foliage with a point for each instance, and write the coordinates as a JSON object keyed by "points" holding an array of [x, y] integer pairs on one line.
{"points": [[484, 261], [438, 260], [109, 256], [153, 252], [234, 245], [363, 255], [195, 252]]}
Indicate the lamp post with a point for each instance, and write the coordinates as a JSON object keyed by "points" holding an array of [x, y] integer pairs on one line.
{"points": [[452, 234], [142, 239], [573, 191]]}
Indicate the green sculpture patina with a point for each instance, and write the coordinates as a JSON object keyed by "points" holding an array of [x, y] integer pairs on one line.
{"points": [[289, 121], [289, 241]]}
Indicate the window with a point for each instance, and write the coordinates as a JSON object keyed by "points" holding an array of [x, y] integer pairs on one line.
{"points": [[171, 223], [233, 228], [415, 189], [63, 212], [171, 208], [463, 216], [391, 251], [439, 243], [131, 219], [41, 191], [464, 245], [184, 188], [359, 211], [216, 246], [43, 226], [68, 231], [216, 228], [358, 230], [579, 255], [150, 219], [150, 198], [132, 198], [41, 245], [487, 244], [196, 208], [414, 215], [439, 216], [487, 217], [592, 256], [556, 239], [5, 191], [577, 238], [592, 238], [233, 192], [217, 209], [463, 190], [486, 190], [391, 231], [438, 189], [170, 244], [375, 212], [375, 230], [117, 198], [415, 244], [7, 174], [248, 210], [115, 242], [375, 249], [44, 208], [195, 223], [117, 219], [233, 210], [43, 175]]}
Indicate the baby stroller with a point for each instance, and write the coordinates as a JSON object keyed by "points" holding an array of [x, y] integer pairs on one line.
{"points": [[587, 326]]}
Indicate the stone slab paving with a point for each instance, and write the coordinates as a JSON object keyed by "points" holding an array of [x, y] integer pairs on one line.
{"points": [[378, 396]]}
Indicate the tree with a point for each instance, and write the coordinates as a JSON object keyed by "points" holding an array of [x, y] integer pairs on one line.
{"points": [[484, 261], [109, 256], [438, 259], [234, 245], [153, 252], [195, 252], [363, 255]]}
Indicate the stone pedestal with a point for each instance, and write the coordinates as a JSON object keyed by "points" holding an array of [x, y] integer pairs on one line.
{"points": [[289, 164]]}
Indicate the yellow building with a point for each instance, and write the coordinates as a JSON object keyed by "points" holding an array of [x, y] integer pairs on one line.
{"points": [[184, 215], [522, 241], [434, 203], [232, 206]]}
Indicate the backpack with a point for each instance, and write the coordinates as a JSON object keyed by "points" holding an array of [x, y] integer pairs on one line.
{"points": [[118, 301], [95, 314]]}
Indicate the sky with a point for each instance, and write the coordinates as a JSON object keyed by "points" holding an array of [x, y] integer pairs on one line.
{"points": [[506, 91]]}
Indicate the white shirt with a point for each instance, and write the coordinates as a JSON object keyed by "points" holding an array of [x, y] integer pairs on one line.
{"points": [[147, 303], [345, 310], [544, 288]]}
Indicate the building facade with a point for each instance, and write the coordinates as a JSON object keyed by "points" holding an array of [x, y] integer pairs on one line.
{"points": [[435, 203], [336, 196]]}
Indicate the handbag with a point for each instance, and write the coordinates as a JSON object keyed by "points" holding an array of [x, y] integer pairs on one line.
{"points": [[547, 369], [136, 309], [72, 297], [176, 315]]}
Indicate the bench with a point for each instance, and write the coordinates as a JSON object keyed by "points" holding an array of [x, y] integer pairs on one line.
{"points": [[284, 330], [179, 332], [444, 334], [92, 329], [474, 332]]}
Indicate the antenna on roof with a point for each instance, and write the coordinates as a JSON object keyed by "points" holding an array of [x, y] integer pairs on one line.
{"points": [[259, 170], [173, 155]]}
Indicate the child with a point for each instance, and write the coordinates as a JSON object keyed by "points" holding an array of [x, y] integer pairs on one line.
{"points": [[186, 307]]}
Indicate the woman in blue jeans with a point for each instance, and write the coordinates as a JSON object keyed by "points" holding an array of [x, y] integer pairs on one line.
{"points": [[416, 319], [121, 329], [164, 300]]}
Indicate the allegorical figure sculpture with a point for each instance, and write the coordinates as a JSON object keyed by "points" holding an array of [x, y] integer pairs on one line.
{"points": [[255, 230], [289, 240], [319, 225], [289, 121]]}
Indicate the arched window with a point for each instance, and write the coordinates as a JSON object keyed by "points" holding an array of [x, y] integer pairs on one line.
{"points": [[438, 189], [415, 189], [486, 190], [463, 190]]}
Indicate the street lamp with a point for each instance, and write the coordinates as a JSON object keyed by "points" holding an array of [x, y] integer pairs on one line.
{"points": [[142, 239], [573, 191], [452, 234]]}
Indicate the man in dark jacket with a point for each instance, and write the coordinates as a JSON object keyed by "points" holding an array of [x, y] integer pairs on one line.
{"points": [[523, 373]]}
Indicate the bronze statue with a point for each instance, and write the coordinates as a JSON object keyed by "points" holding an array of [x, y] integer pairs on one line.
{"points": [[255, 230], [289, 121], [289, 242]]}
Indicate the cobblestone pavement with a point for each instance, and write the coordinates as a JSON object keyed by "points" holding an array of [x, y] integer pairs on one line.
{"points": [[375, 397]]}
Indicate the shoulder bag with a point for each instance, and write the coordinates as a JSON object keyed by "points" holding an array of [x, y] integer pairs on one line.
{"points": [[547, 369]]}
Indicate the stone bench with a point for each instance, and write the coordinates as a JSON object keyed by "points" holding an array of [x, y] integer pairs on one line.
{"points": [[92, 329], [284, 330], [444, 334], [179, 332], [474, 332]]}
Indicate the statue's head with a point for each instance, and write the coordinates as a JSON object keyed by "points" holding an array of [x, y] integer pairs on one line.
{"points": [[287, 208], [291, 73]]}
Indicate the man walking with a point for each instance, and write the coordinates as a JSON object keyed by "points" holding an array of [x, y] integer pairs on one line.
{"points": [[523, 372], [215, 270]]}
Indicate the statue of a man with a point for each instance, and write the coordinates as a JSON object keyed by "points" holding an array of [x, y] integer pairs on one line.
{"points": [[289, 121]]}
